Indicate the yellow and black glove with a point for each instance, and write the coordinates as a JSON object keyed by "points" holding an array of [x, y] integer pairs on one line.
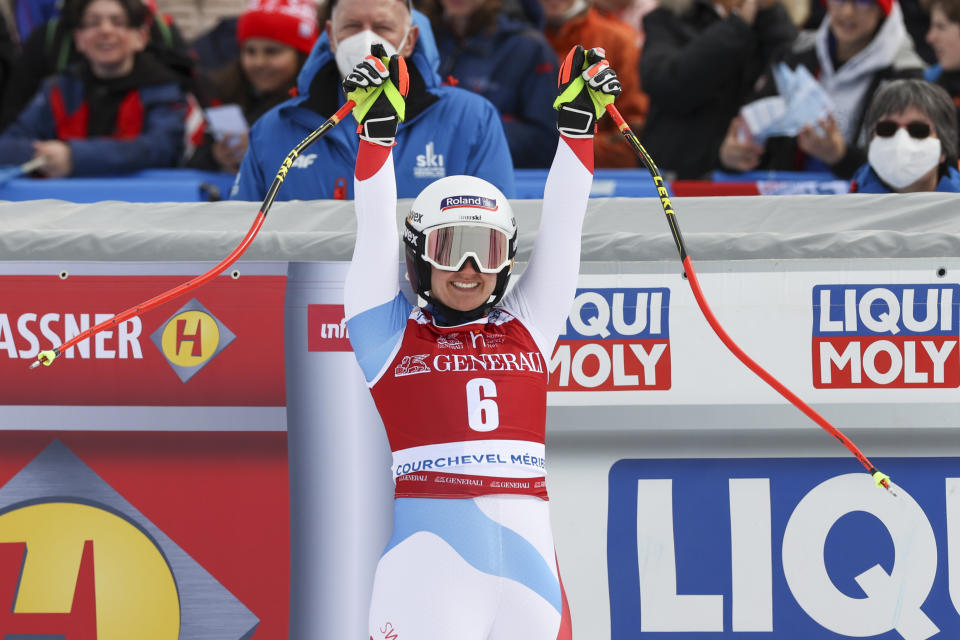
{"points": [[587, 84], [379, 86]]}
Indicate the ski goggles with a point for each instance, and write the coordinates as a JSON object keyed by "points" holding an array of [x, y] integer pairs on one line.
{"points": [[448, 248]]}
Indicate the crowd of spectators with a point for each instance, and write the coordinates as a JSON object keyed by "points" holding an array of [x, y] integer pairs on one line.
{"points": [[109, 86]]}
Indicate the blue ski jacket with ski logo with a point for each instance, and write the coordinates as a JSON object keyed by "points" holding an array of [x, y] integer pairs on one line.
{"points": [[448, 131]]}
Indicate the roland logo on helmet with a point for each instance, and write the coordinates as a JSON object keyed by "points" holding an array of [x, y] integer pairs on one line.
{"points": [[475, 202]]}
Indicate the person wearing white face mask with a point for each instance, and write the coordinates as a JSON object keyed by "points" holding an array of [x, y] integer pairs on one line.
{"points": [[859, 45], [911, 133], [432, 142]]}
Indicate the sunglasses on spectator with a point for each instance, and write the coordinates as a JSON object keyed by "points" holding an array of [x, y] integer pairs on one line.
{"points": [[916, 129]]}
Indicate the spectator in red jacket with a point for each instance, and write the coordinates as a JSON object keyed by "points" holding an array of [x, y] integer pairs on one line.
{"points": [[117, 110], [51, 48]]}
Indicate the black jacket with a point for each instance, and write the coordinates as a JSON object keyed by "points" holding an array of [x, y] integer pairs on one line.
{"points": [[698, 68]]}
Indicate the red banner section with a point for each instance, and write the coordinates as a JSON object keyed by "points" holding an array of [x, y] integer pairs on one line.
{"points": [[873, 362], [221, 498], [610, 365], [221, 347]]}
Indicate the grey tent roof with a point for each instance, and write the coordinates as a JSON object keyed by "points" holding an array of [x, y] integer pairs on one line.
{"points": [[616, 229]]}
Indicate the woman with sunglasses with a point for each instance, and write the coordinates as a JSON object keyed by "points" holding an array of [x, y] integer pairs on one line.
{"points": [[461, 382], [911, 126]]}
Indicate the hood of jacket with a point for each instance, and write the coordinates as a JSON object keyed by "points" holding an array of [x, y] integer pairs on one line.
{"points": [[425, 56], [891, 47]]}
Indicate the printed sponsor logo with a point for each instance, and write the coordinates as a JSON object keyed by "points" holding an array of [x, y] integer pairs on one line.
{"points": [[450, 341], [412, 365], [78, 560], [870, 336], [429, 164], [474, 202], [409, 236], [30, 330], [304, 161], [415, 216], [782, 549], [616, 340], [126, 364], [509, 484], [486, 340], [191, 338], [445, 462], [327, 328], [389, 632], [458, 363]]}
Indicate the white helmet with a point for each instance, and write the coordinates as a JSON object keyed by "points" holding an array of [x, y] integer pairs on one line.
{"points": [[455, 219]]}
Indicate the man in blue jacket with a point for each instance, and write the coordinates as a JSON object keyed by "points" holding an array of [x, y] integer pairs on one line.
{"points": [[508, 62], [428, 147]]}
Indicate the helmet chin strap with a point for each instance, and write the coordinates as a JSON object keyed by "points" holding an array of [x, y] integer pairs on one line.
{"points": [[444, 316], [447, 316]]}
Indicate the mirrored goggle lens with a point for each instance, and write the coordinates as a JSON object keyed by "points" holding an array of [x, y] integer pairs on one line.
{"points": [[448, 248]]}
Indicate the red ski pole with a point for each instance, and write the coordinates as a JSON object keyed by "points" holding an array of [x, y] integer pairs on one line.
{"points": [[47, 357], [880, 478]]}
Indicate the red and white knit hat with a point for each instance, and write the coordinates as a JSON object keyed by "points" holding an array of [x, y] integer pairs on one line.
{"points": [[885, 6], [292, 22]]}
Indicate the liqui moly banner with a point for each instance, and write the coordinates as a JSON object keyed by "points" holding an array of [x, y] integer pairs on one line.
{"points": [[617, 339], [783, 549], [883, 335]]}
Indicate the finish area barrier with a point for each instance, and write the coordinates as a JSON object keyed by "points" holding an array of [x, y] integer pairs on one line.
{"points": [[222, 453]]}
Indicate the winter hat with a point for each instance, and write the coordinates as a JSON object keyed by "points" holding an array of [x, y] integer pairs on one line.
{"points": [[292, 22]]}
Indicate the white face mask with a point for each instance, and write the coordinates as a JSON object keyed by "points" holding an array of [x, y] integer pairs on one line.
{"points": [[353, 49], [901, 160]]}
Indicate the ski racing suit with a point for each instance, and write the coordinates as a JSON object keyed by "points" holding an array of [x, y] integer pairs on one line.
{"points": [[471, 556]]}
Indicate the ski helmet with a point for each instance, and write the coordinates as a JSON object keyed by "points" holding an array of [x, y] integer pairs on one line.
{"points": [[454, 219]]}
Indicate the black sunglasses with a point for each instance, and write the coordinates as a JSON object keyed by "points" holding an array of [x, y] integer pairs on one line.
{"points": [[916, 129]]}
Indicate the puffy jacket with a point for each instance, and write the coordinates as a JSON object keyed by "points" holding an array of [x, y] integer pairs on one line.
{"points": [[698, 68], [147, 130], [448, 131], [515, 68], [50, 49], [949, 80], [866, 180]]}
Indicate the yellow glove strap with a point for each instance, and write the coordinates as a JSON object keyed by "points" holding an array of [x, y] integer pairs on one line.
{"points": [[365, 97]]}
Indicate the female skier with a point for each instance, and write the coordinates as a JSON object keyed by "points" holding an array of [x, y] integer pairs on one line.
{"points": [[461, 383]]}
